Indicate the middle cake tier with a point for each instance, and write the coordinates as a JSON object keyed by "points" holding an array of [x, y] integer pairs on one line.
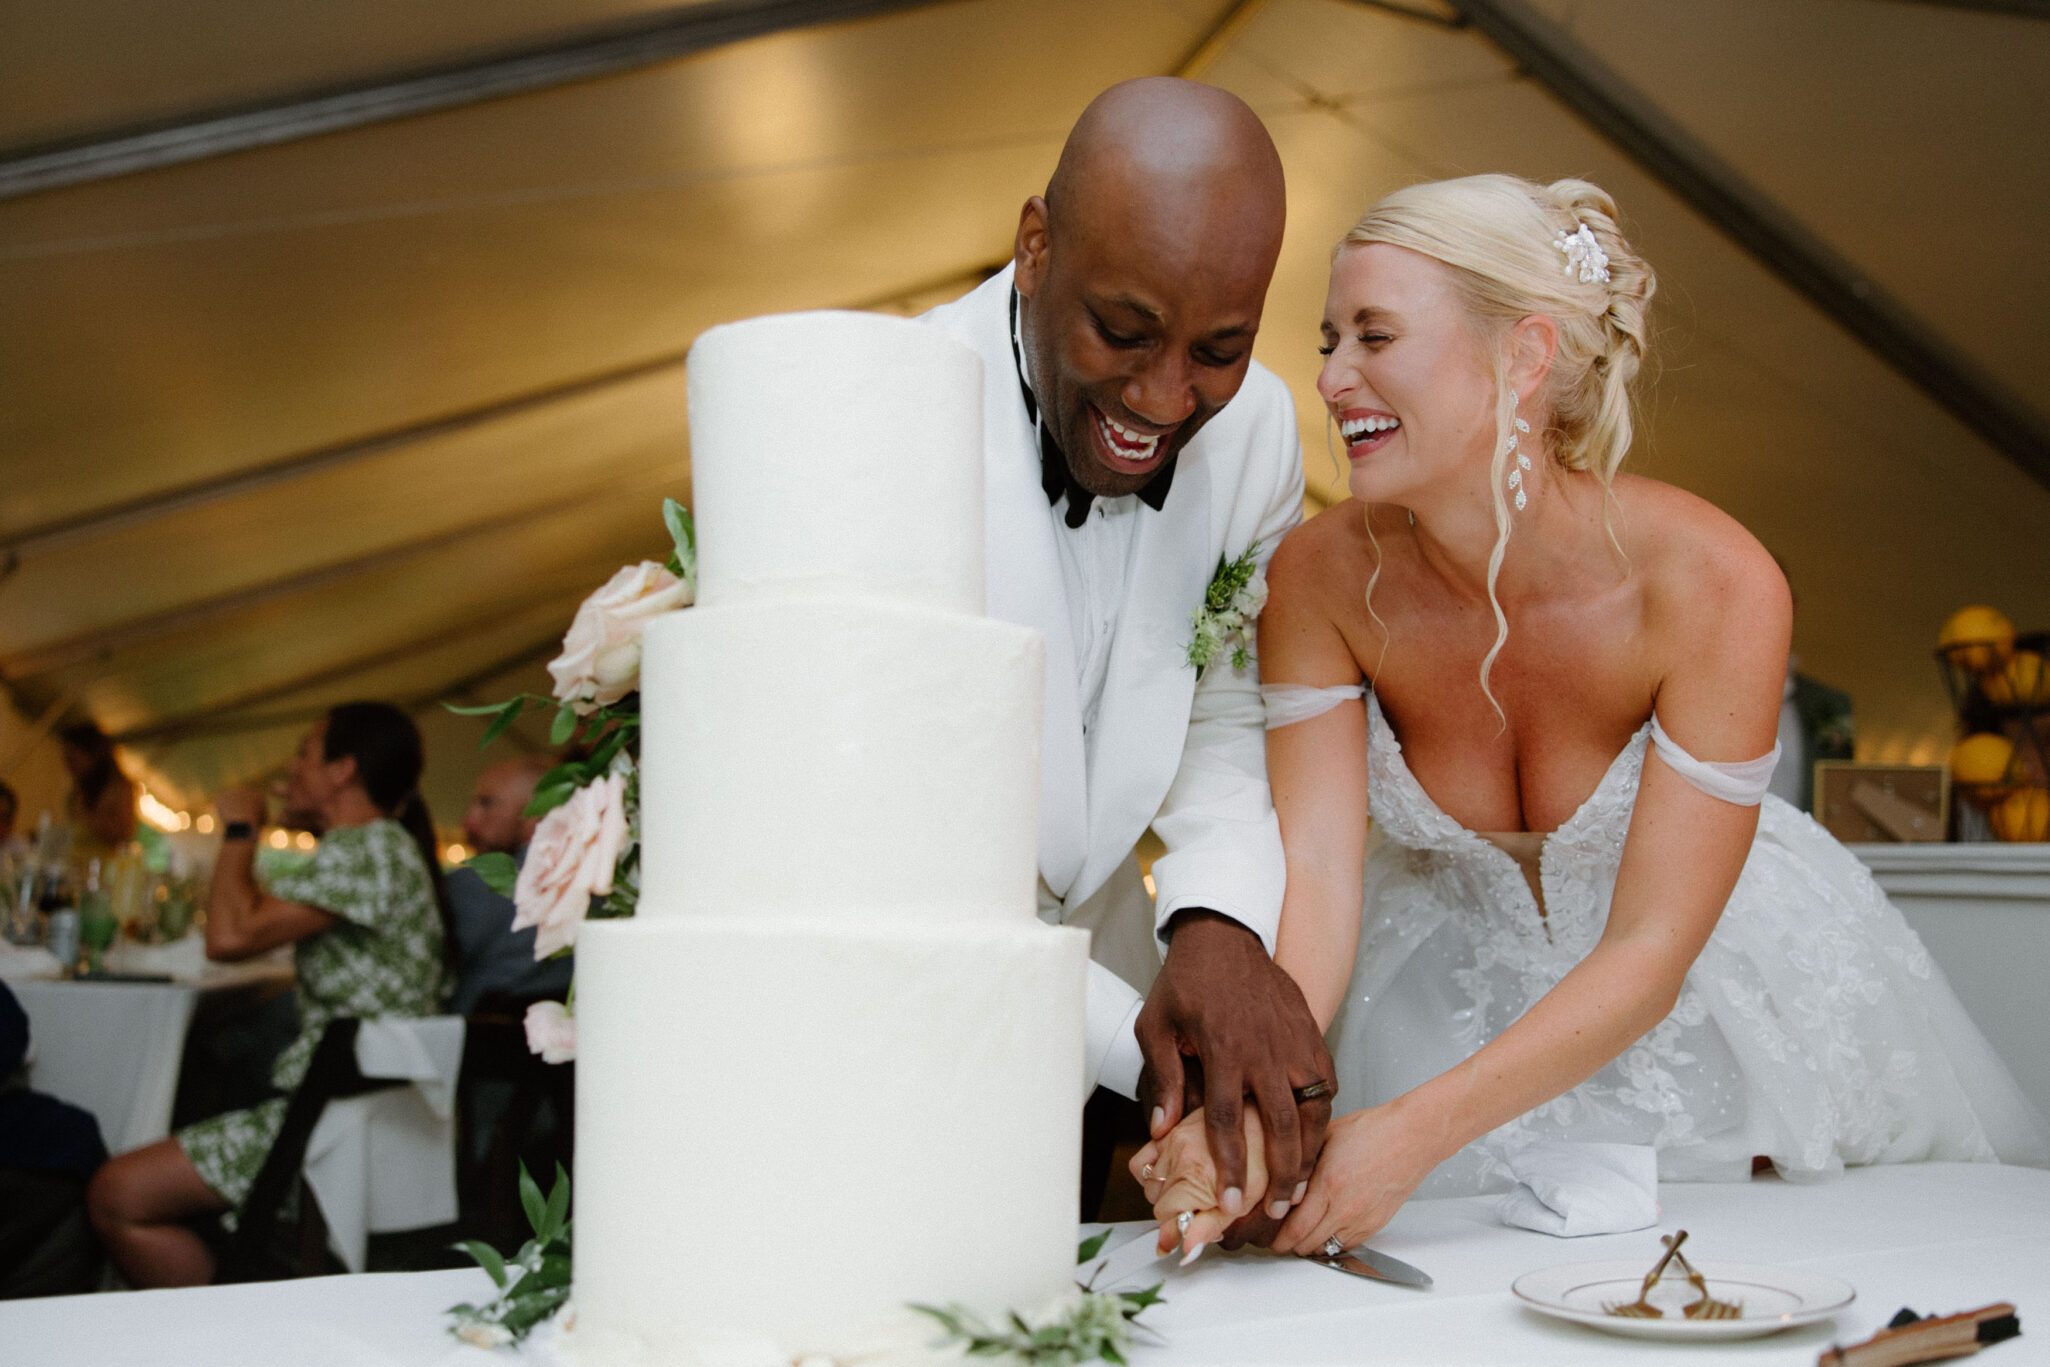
{"points": [[886, 753]]}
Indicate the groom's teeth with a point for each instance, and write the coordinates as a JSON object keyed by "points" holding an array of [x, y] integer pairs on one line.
{"points": [[1130, 444]]}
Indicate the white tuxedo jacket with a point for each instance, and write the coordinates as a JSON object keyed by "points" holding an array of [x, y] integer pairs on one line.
{"points": [[1187, 758]]}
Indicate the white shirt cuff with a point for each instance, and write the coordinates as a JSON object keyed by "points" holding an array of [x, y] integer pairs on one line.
{"points": [[1124, 1061]]}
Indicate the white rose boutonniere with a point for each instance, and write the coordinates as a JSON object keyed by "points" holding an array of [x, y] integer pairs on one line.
{"points": [[1233, 601]]}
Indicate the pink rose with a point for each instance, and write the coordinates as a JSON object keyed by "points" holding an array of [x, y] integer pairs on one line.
{"points": [[569, 861], [601, 656], [551, 1033]]}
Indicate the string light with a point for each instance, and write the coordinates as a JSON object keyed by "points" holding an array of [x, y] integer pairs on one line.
{"points": [[278, 840], [205, 824], [304, 840], [456, 853], [159, 813]]}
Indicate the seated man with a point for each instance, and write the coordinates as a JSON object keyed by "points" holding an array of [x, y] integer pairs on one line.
{"points": [[492, 957]]}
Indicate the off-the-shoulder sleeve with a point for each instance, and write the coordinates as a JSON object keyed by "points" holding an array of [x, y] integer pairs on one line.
{"points": [[1288, 704], [1742, 782]]}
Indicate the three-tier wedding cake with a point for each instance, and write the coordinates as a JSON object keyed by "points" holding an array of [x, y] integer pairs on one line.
{"points": [[834, 1064]]}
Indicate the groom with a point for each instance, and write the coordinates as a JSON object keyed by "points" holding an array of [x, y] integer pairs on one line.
{"points": [[1132, 444]]}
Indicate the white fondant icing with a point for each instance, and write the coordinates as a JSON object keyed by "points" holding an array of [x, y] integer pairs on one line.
{"points": [[792, 1129], [837, 446], [878, 761], [834, 1066]]}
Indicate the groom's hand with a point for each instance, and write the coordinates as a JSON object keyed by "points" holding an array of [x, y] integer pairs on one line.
{"points": [[1220, 998]]}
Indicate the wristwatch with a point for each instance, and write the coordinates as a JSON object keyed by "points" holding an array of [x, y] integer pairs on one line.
{"points": [[238, 830]]}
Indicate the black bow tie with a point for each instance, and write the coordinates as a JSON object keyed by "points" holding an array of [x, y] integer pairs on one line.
{"points": [[1054, 475]]}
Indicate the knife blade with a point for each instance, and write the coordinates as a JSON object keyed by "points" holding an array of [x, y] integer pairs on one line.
{"points": [[1365, 1262], [1125, 1262]]}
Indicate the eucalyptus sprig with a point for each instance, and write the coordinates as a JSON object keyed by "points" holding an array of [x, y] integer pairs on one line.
{"points": [[533, 1283], [1098, 1328]]}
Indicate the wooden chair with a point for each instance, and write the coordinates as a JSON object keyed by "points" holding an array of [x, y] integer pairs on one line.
{"points": [[262, 1248], [511, 1108]]}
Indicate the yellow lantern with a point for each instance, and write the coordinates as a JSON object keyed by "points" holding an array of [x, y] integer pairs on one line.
{"points": [[1978, 637], [2023, 679], [2022, 815]]}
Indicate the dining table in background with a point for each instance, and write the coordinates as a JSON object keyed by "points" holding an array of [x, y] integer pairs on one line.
{"points": [[114, 1046]]}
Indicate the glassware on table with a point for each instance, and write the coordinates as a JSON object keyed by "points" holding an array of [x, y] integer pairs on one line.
{"points": [[96, 928]]}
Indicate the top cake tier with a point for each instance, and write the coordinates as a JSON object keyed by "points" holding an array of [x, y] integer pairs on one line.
{"points": [[837, 453]]}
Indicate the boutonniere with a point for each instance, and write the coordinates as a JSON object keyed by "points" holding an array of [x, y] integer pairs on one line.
{"points": [[1236, 594]]}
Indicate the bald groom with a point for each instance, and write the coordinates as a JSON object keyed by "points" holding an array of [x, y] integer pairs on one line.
{"points": [[1131, 444]]}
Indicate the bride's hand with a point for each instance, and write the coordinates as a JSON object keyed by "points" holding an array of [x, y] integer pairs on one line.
{"points": [[1372, 1161], [1179, 1175]]}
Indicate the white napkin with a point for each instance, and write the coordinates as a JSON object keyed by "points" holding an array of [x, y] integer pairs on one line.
{"points": [[28, 963], [385, 1161], [1575, 1189]]}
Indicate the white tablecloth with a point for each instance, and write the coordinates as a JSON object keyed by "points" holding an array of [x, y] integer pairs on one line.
{"points": [[1937, 1237], [114, 1048]]}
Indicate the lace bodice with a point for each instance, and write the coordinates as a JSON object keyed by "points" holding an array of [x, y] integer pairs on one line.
{"points": [[1812, 1029]]}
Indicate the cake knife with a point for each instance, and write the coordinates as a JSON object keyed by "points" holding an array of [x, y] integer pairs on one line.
{"points": [[1379, 1267], [1126, 1261]]}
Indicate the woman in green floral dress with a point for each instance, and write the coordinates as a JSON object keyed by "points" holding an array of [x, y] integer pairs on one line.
{"points": [[368, 922]]}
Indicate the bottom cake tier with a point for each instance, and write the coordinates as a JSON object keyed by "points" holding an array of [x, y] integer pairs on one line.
{"points": [[788, 1132]]}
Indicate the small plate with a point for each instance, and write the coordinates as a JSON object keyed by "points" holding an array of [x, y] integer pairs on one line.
{"points": [[1773, 1298]]}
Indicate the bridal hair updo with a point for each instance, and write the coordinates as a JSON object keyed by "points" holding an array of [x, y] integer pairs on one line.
{"points": [[1499, 235]]}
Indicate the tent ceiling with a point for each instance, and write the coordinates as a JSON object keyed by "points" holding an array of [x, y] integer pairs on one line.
{"points": [[219, 317]]}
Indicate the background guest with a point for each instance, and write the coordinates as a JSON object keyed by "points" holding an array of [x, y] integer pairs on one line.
{"points": [[492, 957], [48, 1151], [368, 919], [102, 801], [13, 848]]}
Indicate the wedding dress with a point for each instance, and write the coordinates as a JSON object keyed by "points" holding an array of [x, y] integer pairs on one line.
{"points": [[1813, 1029]]}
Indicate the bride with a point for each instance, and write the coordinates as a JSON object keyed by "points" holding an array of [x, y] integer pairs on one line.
{"points": [[1555, 689]]}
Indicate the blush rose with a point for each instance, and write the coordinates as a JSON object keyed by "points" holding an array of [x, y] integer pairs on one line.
{"points": [[570, 861], [601, 656]]}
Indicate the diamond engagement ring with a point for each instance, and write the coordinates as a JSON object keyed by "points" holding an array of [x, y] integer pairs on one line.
{"points": [[1146, 1173], [1181, 1223], [1332, 1248]]}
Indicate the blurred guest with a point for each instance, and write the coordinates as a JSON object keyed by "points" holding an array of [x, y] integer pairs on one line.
{"points": [[492, 957], [48, 1151], [102, 801], [368, 918], [13, 849]]}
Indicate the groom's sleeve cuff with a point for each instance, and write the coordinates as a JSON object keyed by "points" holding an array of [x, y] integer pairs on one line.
{"points": [[1109, 1040], [1124, 1062]]}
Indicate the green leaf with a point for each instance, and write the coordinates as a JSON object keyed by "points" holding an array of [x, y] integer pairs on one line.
{"points": [[557, 1210], [480, 710], [507, 715], [548, 796], [1111, 1354], [497, 869], [531, 1200], [1140, 1300], [487, 1258], [565, 725], [1091, 1247], [684, 532], [601, 758]]}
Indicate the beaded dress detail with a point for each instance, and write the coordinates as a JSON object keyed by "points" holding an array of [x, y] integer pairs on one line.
{"points": [[1813, 1029]]}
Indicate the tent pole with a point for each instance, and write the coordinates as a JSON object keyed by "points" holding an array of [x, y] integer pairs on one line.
{"points": [[1757, 223], [668, 35]]}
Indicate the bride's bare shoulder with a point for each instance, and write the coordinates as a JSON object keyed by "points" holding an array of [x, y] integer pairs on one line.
{"points": [[1330, 553], [1704, 572]]}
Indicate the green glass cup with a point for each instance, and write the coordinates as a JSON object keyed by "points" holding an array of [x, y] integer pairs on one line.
{"points": [[96, 928]]}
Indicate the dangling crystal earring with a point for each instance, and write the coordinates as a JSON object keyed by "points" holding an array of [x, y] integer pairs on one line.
{"points": [[1517, 470]]}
